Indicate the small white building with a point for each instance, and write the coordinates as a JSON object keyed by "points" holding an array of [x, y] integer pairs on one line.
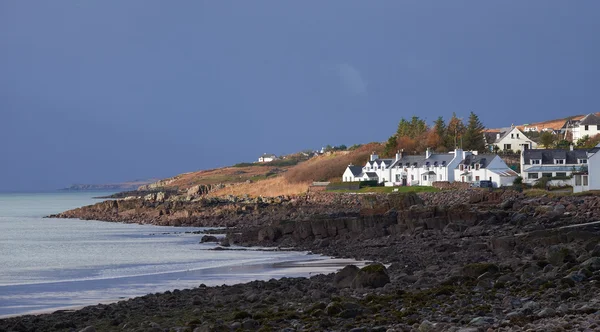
{"points": [[587, 126], [538, 163], [513, 139], [485, 167], [267, 157], [588, 178]]}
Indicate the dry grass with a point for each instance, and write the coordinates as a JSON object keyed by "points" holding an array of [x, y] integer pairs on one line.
{"points": [[267, 188], [330, 167]]}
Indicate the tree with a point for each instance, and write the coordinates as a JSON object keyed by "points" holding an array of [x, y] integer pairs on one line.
{"points": [[407, 144], [473, 138], [440, 128], [547, 139], [454, 132], [390, 146], [587, 142]]}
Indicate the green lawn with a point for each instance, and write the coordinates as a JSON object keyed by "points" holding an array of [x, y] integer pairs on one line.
{"points": [[415, 189]]}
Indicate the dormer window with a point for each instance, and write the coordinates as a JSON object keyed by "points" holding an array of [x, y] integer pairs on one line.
{"points": [[461, 167], [512, 135], [583, 161], [587, 127], [559, 161], [536, 161], [477, 166], [517, 135]]}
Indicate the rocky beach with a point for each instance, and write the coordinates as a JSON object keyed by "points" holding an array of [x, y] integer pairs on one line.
{"points": [[459, 260]]}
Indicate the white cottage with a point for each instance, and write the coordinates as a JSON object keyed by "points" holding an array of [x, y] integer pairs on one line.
{"points": [[513, 139], [267, 157], [588, 178], [488, 167], [407, 170], [587, 126], [538, 163]]}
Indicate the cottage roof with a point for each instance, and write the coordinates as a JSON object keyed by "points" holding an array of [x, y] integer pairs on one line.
{"points": [[549, 155], [590, 119], [356, 170], [490, 136], [507, 132], [371, 174], [268, 155], [482, 159], [440, 158]]}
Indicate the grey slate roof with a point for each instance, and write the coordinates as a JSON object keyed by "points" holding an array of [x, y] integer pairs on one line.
{"points": [[482, 159], [548, 155], [590, 119], [371, 174], [356, 170]]}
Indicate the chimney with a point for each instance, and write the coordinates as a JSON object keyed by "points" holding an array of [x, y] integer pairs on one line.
{"points": [[571, 147], [427, 153], [497, 136], [398, 155], [374, 156]]}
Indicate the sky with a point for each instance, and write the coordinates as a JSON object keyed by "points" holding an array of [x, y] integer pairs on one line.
{"points": [[102, 91]]}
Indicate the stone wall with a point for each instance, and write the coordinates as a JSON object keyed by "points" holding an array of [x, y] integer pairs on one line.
{"points": [[453, 185]]}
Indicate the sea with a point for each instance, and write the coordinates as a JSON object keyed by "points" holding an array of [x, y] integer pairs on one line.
{"points": [[48, 264]]}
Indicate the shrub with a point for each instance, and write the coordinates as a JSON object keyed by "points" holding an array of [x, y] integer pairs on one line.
{"points": [[518, 181]]}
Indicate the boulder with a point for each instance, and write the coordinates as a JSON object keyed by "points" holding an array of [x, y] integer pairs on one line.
{"points": [[346, 276], [556, 255], [209, 238], [371, 276], [269, 234], [592, 264]]}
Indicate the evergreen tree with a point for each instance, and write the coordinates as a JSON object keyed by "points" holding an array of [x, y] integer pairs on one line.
{"points": [[439, 126], [547, 139], [390, 146], [473, 138]]}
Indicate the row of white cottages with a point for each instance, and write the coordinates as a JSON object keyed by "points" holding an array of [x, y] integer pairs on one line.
{"points": [[579, 168], [423, 170]]}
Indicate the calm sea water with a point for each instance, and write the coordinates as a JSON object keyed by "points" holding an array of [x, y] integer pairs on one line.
{"points": [[46, 264]]}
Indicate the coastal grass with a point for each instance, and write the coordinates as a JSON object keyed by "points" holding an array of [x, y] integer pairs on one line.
{"points": [[269, 187], [406, 189]]}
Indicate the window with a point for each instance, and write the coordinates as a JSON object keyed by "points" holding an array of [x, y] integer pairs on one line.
{"points": [[583, 161], [585, 180], [476, 166], [532, 175], [507, 147], [517, 135], [559, 161], [547, 175], [512, 135], [578, 180], [412, 177], [424, 177], [535, 161], [586, 127], [597, 127], [477, 178], [461, 167]]}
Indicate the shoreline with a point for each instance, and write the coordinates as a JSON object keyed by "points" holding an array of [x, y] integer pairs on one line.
{"points": [[462, 259]]}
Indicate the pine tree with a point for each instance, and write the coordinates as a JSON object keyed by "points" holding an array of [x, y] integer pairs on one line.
{"points": [[390, 146], [439, 126], [473, 138]]}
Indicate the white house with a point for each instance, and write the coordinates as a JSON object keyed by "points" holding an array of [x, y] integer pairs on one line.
{"points": [[513, 139], [588, 179], [485, 167], [267, 157], [589, 125], [408, 170], [537, 163]]}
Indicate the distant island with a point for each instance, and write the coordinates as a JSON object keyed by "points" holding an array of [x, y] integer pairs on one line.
{"points": [[122, 186]]}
